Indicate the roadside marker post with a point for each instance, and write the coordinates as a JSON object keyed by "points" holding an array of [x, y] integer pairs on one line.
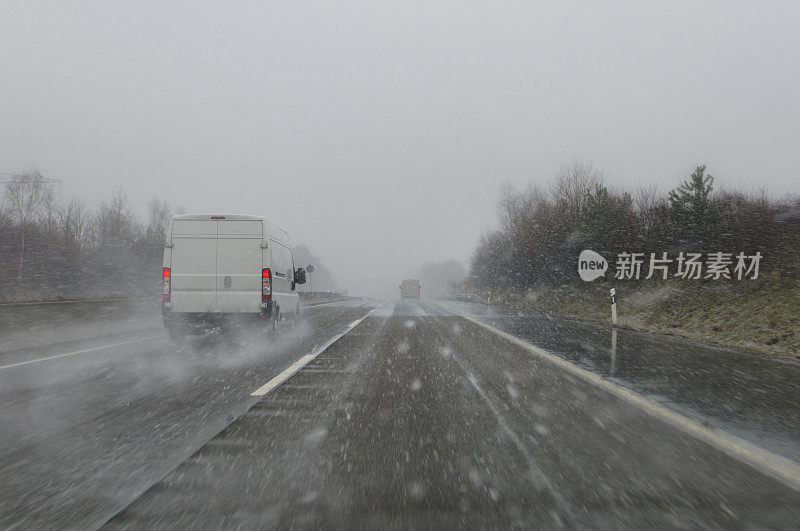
{"points": [[612, 365], [613, 306]]}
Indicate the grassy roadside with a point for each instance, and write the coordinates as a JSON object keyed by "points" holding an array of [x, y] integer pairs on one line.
{"points": [[762, 315]]}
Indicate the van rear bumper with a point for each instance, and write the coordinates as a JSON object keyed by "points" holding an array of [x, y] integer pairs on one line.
{"points": [[198, 322]]}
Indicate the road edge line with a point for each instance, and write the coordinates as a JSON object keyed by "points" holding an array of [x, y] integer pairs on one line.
{"points": [[83, 351], [778, 467]]}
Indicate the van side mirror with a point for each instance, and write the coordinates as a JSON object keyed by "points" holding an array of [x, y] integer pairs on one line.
{"points": [[300, 276]]}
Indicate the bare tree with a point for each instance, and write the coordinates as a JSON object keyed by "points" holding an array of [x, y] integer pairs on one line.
{"points": [[573, 186], [158, 216], [27, 196], [50, 210], [516, 209], [649, 202], [75, 222], [114, 222]]}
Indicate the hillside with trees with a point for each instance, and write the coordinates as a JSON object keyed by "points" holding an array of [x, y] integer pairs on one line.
{"points": [[530, 260]]}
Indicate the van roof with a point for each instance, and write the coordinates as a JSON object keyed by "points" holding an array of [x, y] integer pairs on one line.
{"points": [[205, 217], [233, 217]]}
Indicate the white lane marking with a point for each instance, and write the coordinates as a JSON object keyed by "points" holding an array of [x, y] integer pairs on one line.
{"points": [[357, 303], [781, 468], [37, 360], [303, 361], [318, 304], [282, 377]]}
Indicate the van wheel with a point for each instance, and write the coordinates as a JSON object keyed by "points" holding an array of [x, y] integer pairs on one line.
{"points": [[176, 336], [272, 328]]}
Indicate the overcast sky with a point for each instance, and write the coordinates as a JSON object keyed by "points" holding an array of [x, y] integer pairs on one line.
{"points": [[378, 133]]}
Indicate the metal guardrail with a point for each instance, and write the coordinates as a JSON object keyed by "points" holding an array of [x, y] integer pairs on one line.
{"points": [[78, 301]]}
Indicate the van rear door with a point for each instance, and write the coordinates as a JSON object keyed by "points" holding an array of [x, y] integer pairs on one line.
{"points": [[194, 266], [239, 262]]}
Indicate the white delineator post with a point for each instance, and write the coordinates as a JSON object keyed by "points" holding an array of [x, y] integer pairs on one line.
{"points": [[613, 306], [613, 363]]}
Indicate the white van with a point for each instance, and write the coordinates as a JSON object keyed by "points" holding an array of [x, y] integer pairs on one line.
{"points": [[226, 269]]}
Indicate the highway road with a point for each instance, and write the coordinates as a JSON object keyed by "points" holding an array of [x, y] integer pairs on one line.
{"points": [[387, 414]]}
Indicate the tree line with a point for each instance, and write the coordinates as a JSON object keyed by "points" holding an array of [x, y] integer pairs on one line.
{"points": [[441, 279], [542, 229], [321, 280], [53, 250]]}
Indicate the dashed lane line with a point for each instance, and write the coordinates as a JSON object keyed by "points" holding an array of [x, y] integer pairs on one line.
{"points": [[282, 377], [305, 360]]}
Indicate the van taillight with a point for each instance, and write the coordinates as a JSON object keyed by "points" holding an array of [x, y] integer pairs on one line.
{"points": [[266, 285], [166, 281]]}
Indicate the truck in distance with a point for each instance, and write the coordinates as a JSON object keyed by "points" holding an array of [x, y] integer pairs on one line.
{"points": [[409, 289]]}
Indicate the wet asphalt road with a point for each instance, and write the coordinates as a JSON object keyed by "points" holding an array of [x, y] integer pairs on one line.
{"points": [[754, 396], [84, 434], [415, 417]]}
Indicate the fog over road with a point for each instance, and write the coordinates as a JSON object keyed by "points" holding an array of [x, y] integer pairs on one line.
{"points": [[407, 413]]}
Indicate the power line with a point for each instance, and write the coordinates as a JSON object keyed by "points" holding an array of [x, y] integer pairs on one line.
{"points": [[58, 182]]}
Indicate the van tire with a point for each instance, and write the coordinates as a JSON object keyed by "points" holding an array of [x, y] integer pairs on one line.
{"points": [[176, 336], [272, 329]]}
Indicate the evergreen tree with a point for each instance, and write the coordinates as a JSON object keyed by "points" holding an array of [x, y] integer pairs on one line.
{"points": [[691, 206]]}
